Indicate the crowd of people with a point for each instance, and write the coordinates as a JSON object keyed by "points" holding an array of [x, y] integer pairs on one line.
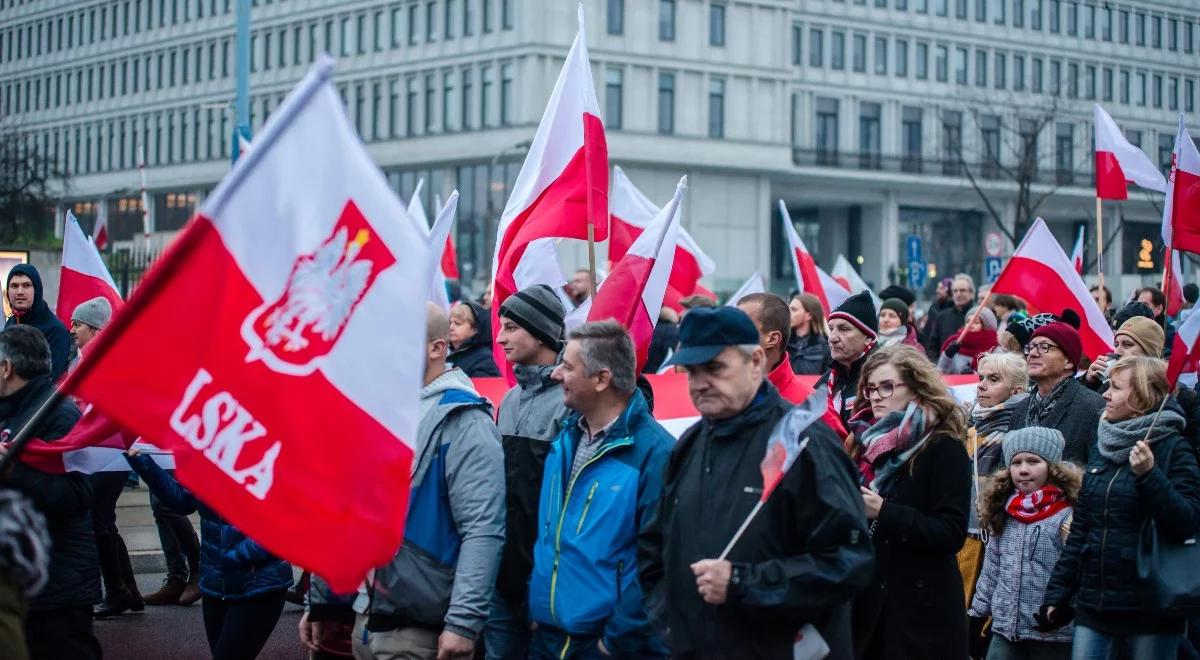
{"points": [[569, 523]]}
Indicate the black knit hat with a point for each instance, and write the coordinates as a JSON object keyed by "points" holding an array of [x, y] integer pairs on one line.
{"points": [[1131, 310], [899, 307], [896, 291], [1024, 328], [859, 311]]}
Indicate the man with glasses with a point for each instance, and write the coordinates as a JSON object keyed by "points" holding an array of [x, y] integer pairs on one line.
{"points": [[952, 319], [1059, 400]]}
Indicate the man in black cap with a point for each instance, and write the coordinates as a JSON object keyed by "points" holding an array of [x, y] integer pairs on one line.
{"points": [[806, 554], [853, 330]]}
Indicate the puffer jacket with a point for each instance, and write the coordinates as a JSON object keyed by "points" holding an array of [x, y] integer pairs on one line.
{"points": [[1016, 568], [474, 356], [528, 421], [585, 575], [809, 354], [443, 574], [65, 500], [1098, 567], [232, 565]]}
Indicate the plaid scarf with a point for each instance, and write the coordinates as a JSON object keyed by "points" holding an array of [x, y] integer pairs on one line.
{"points": [[1038, 505], [1040, 407], [888, 444]]}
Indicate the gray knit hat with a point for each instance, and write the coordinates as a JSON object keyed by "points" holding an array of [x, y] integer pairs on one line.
{"points": [[95, 312], [538, 310], [1045, 442]]}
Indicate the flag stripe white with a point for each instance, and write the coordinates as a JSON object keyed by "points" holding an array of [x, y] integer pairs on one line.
{"points": [[1136, 165]]}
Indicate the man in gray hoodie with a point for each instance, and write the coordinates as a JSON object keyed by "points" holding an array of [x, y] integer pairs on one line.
{"points": [[531, 330], [431, 601]]}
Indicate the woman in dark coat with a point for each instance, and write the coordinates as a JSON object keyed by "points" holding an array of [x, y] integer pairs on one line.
{"points": [[471, 340], [808, 348], [1126, 478], [908, 443]]}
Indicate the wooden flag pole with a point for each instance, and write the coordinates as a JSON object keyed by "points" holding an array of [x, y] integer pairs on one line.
{"points": [[1100, 252], [592, 255]]}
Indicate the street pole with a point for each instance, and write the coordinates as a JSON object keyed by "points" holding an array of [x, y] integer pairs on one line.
{"points": [[241, 103]]}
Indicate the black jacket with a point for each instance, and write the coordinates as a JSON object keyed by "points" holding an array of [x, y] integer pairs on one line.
{"points": [[64, 499], [1076, 415], [843, 384], [809, 354], [801, 561], [662, 342], [915, 607], [941, 327], [1098, 565], [40, 317], [475, 357]]}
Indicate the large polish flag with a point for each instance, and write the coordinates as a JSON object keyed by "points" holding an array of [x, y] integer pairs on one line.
{"points": [[809, 278], [562, 189], [1042, 274], [1118, 161], [292, 271], [83, 275], [1181, 210], [631, 213], [1077, 253], [633, 292]]}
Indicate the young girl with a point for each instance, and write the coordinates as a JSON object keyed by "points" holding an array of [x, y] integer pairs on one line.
{"points": [[1027, 509], [961, 350]]}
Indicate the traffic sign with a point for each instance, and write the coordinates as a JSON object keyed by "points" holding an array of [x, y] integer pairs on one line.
{"points": [[993, 244], [916, 265], [991, 269]]}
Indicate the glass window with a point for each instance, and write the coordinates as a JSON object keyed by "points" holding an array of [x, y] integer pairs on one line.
{"points": [[1173, 93], [1035, 78], [1001, 8], [901, 58], [860, 53], [1064, 152], [1139, 31], [613, 80], [412, 26], [989, 137], [1089, 82], [465, 97], [430, 17], [1089, 21], [981, 10], [981, 68], [716, 108], [716, 24], [797, 44], [485, 96], [1001, 78], [942, 63], [837, 50], [666, 20], [1035, 14], [881, 56], [506, 94], [1189, 91], [910, 138], [1172, 34], [1018, 13], [960, 9], [952, 142], [468, 26], [816, 47], [1073, 19], [1124, 86], [1156, 31], [922, 61], [1055, 76], [1188, 35], [940, 7], [506, 14], [1106, 84], [827, 131], [666, 103], [1158, 90], [1018, 73], [616, 16], [1106, 24], [1055, 12], [1123, 26], [447, 103], [960, 73], [869, 138], [1072, 80], [1141, 89]]}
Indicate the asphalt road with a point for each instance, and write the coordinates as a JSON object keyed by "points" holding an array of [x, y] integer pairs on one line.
{"points": [[178, 632]]}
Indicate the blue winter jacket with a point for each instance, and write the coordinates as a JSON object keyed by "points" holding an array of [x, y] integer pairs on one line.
{"points": [[584, 579], [232, 565]]}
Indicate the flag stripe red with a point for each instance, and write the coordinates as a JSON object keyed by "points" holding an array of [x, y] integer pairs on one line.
{"points": [[1185, 212], [1045, 291], [1110, 178]]}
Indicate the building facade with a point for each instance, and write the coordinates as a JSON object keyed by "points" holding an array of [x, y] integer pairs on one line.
{"points": [[876, 121]]}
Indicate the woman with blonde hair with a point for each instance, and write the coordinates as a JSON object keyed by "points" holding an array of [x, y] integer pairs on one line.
{"points": [[1140, 467], [1003, 381], [909, 447], [808, 348]]}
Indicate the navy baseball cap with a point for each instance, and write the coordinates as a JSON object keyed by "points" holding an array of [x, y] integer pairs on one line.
{"points": [[706, 331]]}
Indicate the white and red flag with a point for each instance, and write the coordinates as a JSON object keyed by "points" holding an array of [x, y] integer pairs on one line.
{"points": [[1041, 273], [753, 284], [438, 234], [449, 254], [1185, 351], [562, 189], [272, 329], [1172, 281], [83, 275], [810, 278], [100, 229], [1119, 162], [631, 213], [1181, 210], [633, 292], [788, 440], [1077, 253]]}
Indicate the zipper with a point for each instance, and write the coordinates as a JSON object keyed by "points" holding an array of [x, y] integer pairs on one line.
{"points": [[1104, 536], [587, 504], [562, 517], [566, 647]]}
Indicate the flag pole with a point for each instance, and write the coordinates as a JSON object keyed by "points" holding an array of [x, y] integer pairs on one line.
{"points": [[742, 530], [978, 309], [1100, 252], [22, 438], [592, 255]]}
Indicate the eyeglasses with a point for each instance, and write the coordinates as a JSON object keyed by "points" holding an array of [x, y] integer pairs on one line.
{"points": [[884, 390], [1040, 348]]}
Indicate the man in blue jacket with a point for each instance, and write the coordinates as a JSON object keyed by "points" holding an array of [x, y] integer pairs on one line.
{"points": [[601, 484]]}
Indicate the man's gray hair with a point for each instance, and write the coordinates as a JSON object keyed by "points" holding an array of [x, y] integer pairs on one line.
{"points": [[966, 278], [27, 349], [607, 345]]}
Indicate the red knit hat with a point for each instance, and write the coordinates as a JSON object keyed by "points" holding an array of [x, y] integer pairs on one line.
{"points": [[1065, 337]]}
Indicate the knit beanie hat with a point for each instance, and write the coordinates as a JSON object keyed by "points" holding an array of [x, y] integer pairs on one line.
{"points": [[986, 316], [539, 311], [1023, 328], [1146, 333], [859, 311], [1065, 337], [1042, 441], [95, 313], [899, 292], [1130, 310], [899, 307]]}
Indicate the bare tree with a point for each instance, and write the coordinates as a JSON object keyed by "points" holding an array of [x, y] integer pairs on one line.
{"points": [[28, 179]]}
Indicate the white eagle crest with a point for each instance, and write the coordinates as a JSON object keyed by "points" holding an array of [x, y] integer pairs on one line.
{"points": [[322, 293]]}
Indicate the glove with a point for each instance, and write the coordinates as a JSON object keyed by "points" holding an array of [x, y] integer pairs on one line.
{"points": [[952, 349], [1050, 621], [977, 640]]}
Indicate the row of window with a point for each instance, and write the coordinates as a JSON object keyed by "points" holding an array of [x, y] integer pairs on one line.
{"points": [[997, 69], [614, 102], [615, 18], [428, 19], [1089, 20]]}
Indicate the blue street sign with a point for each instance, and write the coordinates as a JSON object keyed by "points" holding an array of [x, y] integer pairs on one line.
{"points": [[916, 265], [914, 248], [991, 269]]}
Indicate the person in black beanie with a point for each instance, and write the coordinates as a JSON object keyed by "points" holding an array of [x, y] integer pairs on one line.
{"points": [[853, 331]]}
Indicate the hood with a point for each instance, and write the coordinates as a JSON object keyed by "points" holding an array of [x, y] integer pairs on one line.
{"points": [[451, 379], [39, 302], [483, 328], [534, 376]]}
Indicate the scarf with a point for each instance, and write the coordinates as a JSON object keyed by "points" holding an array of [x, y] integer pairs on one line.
{"points": [[996, 419], [1038, 505], [973, 344], [1041, 407], [888, 444], [893, 337], [1116, 439]]}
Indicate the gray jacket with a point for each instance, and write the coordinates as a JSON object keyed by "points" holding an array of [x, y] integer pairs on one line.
{"points": [[1076, 415], [444, 573], [1016, 568]]}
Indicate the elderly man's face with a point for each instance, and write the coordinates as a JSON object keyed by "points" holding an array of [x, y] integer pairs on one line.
{"points": [[725, 385], [962, 293], [846, 342], [1046, 361]]}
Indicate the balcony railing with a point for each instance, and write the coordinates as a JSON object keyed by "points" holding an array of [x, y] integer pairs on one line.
{"points": [[914, 164]]}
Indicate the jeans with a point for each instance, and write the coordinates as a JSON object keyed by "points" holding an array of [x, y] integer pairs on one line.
{"points": [[178, 538], [554, 645], [1093, 645], [506, 636], [399, 644], [239, 629], [1002, 649]]}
